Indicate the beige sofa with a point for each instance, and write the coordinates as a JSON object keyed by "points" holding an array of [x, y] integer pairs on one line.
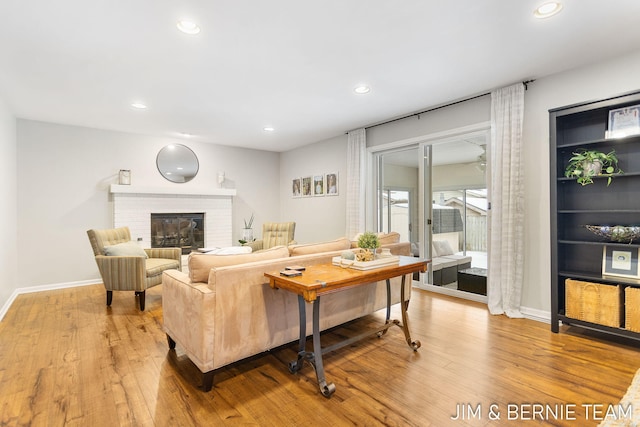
{"points": [[224, 311]]}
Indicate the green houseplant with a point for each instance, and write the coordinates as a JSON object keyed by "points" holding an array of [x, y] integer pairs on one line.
{"points": [[370, 242], [586, 164]]}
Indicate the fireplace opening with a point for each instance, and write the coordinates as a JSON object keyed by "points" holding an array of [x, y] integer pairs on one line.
{"points": [[177, 230]]}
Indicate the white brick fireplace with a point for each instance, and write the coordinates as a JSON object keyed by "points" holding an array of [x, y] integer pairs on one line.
{"points": [[133, 206]]}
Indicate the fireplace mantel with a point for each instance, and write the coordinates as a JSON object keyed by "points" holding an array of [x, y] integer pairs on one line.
{"points": [[131, 189]]}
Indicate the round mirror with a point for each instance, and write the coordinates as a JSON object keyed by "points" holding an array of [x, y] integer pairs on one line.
{"points": [[177, 163]]}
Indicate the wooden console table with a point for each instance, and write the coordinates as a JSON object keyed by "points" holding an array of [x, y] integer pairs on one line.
{"points": [[322, 279]]}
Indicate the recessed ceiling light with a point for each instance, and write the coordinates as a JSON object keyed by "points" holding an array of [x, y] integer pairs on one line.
{"points": [[138, 106], [268, 129], [362, 89], [548, 9], [188, 27]]}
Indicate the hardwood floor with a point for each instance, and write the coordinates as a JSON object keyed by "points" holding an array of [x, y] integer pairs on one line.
{"points": [[67, 359]]}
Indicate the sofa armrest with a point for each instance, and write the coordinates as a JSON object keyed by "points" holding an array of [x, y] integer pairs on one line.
{"points": [[122, 272], [188, 311], [168, 253], [256, 245]]}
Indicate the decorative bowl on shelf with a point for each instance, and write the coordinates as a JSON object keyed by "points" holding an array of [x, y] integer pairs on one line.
{"points": [[616, 233]]}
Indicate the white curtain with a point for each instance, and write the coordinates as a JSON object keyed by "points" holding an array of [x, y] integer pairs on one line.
{"points": [[507, 202], [356, 157]]}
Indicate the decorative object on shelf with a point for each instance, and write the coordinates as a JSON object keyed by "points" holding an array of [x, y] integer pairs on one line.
{"points": [[624, 122], [124, 177], [247, 231], [586, 164], [621, 262], [221, 178], [616, 233], [370, 243]]}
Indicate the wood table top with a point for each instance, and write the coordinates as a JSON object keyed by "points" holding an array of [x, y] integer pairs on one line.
{"points": [[326, 278]]}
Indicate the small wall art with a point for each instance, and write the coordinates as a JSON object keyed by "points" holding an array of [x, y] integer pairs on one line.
{"points": [[315, 185], [318, 185], [306, 186]]}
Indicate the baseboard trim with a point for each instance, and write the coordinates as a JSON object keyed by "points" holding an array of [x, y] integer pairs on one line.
{"points": [[535, 314], [527, 312], [40, 288]]}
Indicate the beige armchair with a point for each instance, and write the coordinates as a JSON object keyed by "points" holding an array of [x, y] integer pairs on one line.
{"points": [[125, 266], [274, 234]]}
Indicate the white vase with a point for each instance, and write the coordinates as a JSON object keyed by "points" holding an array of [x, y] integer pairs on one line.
{"points": [[247, 234]]}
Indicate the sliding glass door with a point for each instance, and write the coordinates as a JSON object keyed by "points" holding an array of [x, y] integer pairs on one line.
{"points": [[436, 196]]}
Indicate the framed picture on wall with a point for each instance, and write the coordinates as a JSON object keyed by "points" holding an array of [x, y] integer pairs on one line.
{"points": [[306, 186], [296, 188], [620, 261], [331, 185], [318, 185]]}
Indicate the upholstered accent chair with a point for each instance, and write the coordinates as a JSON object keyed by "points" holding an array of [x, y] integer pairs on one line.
{"points": [[274, 234], [125, 266]]}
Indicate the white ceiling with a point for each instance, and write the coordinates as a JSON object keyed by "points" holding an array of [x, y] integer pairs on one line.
{"points": [[289, 64]]}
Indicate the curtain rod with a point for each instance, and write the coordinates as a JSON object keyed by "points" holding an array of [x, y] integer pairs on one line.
{"points": [[525, 83]]}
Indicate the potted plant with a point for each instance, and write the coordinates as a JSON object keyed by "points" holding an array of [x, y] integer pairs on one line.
{"points": [[585, 164], [247, 231], [369, 242]]}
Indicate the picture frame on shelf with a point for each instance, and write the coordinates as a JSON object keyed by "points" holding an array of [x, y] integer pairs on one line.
{"points": [[331, 184], [620, 261], [296, 187], [624, 122], [318, 185]]}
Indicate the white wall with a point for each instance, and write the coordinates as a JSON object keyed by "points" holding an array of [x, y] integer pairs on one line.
{"points": [[598, 81], [317, 218], [64, 173], [443, 119], [9, 198]]}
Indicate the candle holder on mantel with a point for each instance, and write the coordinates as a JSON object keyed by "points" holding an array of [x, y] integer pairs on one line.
{"points": [[124, 177]]}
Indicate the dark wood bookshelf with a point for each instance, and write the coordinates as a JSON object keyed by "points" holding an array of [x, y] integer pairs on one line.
{"points": [[576, 252]]}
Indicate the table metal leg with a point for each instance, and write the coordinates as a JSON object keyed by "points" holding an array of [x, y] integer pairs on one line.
{"points": [[326, 389], [296, 365], [313, 357], [415, 345]]}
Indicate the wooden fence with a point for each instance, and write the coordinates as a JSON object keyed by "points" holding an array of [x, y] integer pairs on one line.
{"points": [[477, 233]]}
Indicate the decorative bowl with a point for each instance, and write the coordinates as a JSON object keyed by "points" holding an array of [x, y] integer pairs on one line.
{"points": [[616, 233]]}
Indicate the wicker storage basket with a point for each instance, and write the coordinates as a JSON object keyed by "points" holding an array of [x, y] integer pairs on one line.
{"points": [[632, 309], [593, 302]]}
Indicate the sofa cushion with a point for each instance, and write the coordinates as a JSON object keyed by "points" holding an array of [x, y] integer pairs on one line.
{"points": [[130, 248], [201, 264], [389, 238], [155, 266], [314, 248]]}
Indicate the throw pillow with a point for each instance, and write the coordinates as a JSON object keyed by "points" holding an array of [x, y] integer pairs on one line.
{"points": [[201, 264], [389, 238], [130, 248], [314, 248], [443, 248], [231, 250]]}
